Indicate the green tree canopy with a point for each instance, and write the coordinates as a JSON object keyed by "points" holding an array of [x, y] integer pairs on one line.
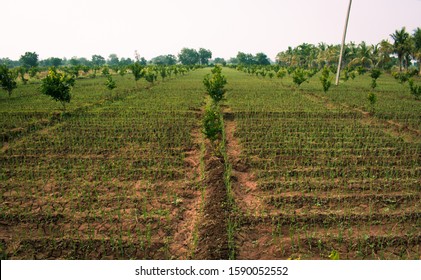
{"points": [[113, 60], [9, 63], [168, 59], [58, 86], [98, 60], [126, 61], [245, 59], [417, 47], [29, 60], [215, 84], [401, 45], [188, 56], [219, 60], [262, 59], [74, 61], [52, 61], [204, 56]]}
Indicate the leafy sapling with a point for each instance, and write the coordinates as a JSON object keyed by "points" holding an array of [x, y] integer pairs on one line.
{"points": [[7, 79], [215, 84], [375, 74], [137, 71], [58, 86], [326, 79], [299, 76], [415, 89], [372, 99], [110, 84]]}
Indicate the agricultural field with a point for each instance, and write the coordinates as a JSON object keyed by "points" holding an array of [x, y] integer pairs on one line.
{"points": [[109, 179], [324, 178], [298, 173]]}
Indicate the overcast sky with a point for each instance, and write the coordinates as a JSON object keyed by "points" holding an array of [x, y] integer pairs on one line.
{"points": [[81, 28]]}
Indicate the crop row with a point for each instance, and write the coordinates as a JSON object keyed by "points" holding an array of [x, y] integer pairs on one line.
{"points": [[110, 181], [320, 170]]}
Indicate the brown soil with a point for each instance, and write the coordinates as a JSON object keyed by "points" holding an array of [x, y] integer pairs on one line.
{"points": [[182, 245], [269, 240], [284, 220], [70, 221], [213, 238], [243, 180], [249, 244]]}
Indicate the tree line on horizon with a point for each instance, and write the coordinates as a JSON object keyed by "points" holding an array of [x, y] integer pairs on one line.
{"points": [[186, 56], [402, 52]]}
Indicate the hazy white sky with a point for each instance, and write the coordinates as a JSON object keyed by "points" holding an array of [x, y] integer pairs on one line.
{"points": [[153, 27]]}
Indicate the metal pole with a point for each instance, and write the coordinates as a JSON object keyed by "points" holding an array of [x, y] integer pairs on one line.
{"points": [[343, 44]]}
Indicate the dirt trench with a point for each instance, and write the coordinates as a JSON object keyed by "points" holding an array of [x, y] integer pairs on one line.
{"points": [[213, 235]]}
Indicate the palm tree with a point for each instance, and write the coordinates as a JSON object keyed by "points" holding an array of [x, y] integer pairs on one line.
{"points": [[385, 50], [364, 55], [417, 47], [321, 58], [401, 45]]}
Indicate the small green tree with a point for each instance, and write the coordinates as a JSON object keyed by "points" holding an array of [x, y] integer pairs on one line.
{"points": [[163, 72], [372, 99], [110, 84], [401, 77], [150, 75], [106, 71], [85, 69], [137, 71], [415, 89], [33, 71], [281, 73], [212, 125], [22, 71], [375, 74], [345, 77], [326, 79], [7, 79], [58, 86], [215, 84], [122, 70], [299, 76], [73, 70], [348, 74], [361, 70]]}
